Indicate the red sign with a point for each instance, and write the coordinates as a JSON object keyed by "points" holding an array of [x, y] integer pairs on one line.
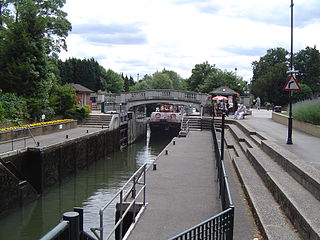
{"points": [[292, 84]]}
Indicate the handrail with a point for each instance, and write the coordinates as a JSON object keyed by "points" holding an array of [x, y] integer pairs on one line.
{"points": [[134, 179], [56, 231], [32, 135]]}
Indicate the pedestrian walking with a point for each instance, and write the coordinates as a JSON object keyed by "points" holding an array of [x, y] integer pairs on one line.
{"points": [[258, 103]]}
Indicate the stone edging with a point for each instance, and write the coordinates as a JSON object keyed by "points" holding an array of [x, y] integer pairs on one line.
{"points": [[301, 126], [37, 130]]}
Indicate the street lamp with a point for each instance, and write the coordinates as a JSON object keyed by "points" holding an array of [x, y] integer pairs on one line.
{"points": [[289, 139]]}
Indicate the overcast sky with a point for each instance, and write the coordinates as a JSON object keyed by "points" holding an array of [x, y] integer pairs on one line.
{"points": [[144, 36]]}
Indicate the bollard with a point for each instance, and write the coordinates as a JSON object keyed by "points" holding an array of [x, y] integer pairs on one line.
{"points": [[154, 166], [80, 211], [73, 218], [166, 152], [174, 142], [67, 136]]}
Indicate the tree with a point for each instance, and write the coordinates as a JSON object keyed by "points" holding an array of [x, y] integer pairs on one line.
{"points": [[199, 75], [62, 98], [31, 30], [304, 94], [307, 62], [269, 76], [206, 77], [114, 82]]}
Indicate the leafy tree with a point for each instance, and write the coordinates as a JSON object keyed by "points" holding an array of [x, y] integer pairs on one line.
{"points": [[206, 77], [269, 76], [304, 94], [14, 108], [113, 81], [31, 31], [62, 99], [199, 75], [307, 62]]}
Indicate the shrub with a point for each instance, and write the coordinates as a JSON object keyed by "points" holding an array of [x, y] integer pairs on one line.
{"points": [[14, 108], [307, 111], [78, 112]]}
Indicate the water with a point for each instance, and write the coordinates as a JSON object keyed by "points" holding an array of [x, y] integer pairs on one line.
{"points": [[89, 189]]}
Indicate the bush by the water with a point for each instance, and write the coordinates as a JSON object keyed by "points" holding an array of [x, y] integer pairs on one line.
{"points": [[307, 111]]}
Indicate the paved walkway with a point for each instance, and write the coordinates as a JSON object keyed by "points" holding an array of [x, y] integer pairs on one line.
{"points": [[182, 192], [48, 139], [304, 145]]}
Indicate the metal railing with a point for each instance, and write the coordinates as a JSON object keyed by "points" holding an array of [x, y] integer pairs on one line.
{"points": [[70, 228], [137, 188], [221, 225], [218, 227], [24, 139]]}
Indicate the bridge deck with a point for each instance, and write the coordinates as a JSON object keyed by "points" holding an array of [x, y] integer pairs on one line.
{"points": [[182, 192]]}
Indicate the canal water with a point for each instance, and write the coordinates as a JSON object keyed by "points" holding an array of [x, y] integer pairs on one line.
{"points": [[90, 189]]}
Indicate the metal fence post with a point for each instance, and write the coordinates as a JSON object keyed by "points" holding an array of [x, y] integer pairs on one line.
{"points": [[73, 218]]}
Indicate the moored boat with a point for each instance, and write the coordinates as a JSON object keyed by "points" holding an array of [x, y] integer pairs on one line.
{"points": [[167, 118]]}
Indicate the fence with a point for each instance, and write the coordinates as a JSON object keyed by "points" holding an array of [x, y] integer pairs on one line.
{"points": [[135, 191], [221, 225]]}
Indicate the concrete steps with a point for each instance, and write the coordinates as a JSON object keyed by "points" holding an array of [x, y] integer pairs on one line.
{"points": [[198, 123], [278, 189], [98, 120]]}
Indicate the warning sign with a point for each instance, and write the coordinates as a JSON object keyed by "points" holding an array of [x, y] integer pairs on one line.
{"points": [[292, 84]]}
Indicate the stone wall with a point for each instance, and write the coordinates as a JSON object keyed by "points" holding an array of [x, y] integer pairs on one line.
{"points": [[302, 126], [43, 168], [37, 130]]}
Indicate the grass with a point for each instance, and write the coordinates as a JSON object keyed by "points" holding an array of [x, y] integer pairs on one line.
{"points": [[307, 111]]}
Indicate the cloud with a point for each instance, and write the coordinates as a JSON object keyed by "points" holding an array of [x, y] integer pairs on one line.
{"points": [[103, 34], [239, 50]]}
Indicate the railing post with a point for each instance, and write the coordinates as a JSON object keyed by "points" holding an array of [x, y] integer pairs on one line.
{"points": [[144, 183], [121, 223], [133, 195], [73, 218], [222, 136]]}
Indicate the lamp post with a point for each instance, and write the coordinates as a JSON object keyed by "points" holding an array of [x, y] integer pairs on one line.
{"points": [[289, 139]]}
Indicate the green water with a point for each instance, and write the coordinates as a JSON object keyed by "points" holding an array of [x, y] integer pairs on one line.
{"points": [[90, 189]]}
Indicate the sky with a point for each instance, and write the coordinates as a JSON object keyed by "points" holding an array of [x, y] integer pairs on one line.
{"points": [[138, 37]]}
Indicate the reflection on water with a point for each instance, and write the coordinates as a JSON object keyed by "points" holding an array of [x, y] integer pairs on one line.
{"points": [[90, 189]]}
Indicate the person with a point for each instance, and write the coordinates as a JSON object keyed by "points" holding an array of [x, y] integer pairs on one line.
{"points": [[258, 102], [223, 107], [239, 114]]}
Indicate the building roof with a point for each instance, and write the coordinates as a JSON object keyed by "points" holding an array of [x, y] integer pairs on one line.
{"points": [[224, 91], [80, 88]]}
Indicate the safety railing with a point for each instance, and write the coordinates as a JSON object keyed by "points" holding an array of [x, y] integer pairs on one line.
{"points": [[184, 128], [70, 228], [24, 139], [218, 227], [136, 187]]}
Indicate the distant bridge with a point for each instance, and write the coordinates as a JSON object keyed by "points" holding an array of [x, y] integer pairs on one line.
{"points": [[137, 98]]}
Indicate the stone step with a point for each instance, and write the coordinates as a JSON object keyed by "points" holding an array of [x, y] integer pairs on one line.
{"points": [[271, 219], [297, 201]]}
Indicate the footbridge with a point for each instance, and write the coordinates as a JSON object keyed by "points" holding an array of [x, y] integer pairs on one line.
{"points": [[137, 98]]}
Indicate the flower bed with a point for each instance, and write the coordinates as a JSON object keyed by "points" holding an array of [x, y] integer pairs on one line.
{"points": [[36, 129]]}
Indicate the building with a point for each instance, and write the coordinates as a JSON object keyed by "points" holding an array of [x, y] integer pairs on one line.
{"points": [[83, 94]]}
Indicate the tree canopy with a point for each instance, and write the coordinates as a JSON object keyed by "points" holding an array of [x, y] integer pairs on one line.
{"points": [[206, 77]]}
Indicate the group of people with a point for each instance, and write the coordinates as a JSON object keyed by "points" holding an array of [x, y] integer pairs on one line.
{"points": [[240, 111]]}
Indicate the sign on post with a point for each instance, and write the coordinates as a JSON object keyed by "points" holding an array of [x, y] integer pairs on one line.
{"points": [[292, 84]]}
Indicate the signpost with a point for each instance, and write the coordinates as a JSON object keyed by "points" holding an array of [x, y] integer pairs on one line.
{"points": [[291, 84]]}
